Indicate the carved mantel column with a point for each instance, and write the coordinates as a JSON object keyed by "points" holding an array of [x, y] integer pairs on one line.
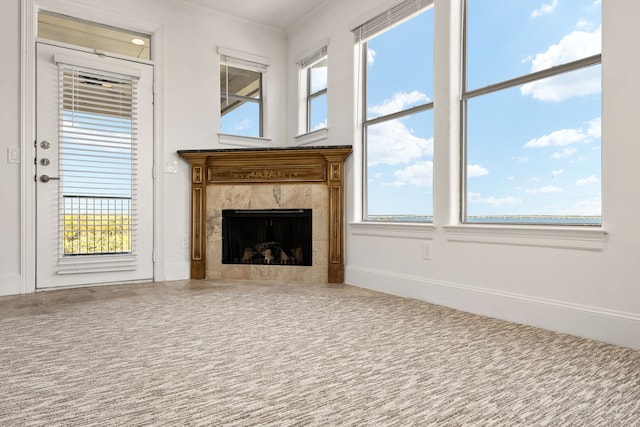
{"points": [[198, 218], [268, 166]]}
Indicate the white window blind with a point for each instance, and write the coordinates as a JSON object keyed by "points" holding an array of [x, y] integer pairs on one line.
{"points": [[234, 58], [314, 56], [389, 18], [97, 161]]}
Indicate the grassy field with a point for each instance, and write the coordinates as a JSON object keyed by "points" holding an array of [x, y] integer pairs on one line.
{"points": [[97, 234]]}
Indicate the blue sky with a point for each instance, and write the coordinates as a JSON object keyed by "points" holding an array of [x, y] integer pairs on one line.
{"points": [[532, 149], [96, 156]]}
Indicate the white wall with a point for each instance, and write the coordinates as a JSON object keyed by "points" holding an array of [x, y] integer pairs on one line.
{"points": [[10, 139], [592, 292], [188, 95]]}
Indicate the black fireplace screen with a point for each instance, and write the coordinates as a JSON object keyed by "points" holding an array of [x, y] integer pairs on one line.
{"points": [[267, 236]]}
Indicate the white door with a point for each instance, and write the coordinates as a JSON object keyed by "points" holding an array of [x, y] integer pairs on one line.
{"points": [[94, 160]]}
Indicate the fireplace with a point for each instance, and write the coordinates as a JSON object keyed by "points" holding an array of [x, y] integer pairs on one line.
{"points": [[288, 178], [267, 236]]}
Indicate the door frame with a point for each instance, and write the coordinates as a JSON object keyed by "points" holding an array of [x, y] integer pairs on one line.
{"points": [[29, 14]]}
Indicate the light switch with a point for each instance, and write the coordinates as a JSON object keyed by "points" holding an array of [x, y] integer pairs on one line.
{"points": [[13, 155]]}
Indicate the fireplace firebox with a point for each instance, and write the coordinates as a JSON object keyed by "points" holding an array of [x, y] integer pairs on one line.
{"points": [[267, 236]]}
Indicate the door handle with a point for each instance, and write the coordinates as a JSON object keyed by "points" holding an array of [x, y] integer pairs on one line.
{"points": [[47, 178]]}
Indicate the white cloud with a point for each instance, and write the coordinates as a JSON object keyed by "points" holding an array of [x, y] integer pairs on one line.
{"points": [[557, 172], [583, 24], [493, 201], [476, 170], [586, 181], [545, 9], [420, 174], [594, 128], [371, 56], [319, 80], [545, 190], [591, 206], [245, 124], [392, 143], [565, 86], [399, 102], [320, 125], [578, 44], [564, 137], [558, 138], [568, 152]]}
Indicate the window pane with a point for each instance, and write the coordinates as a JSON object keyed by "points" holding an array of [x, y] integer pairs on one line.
{"points": [[74, 31], [533, 152], [243, 120], [318, 76], [400, 169], [240, 103], [318, 113], [507, 38], [240, 82], [400, 67]]}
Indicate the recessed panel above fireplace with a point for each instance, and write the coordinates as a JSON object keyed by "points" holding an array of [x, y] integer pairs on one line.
{"points": [[267, 236]]}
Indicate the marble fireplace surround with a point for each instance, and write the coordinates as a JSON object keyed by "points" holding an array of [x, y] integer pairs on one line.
{"points": [[270, 178]]}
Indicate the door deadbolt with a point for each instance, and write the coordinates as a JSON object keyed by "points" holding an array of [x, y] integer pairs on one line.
{"points": [[45, 162], [45, 145]]}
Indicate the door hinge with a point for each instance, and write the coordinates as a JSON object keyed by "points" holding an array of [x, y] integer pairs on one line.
{"points": [[153, 256]]}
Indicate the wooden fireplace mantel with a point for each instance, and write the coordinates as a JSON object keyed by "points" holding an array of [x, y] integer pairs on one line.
{"points": [[268, 166]]}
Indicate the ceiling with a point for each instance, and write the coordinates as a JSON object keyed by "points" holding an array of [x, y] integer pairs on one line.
{"points": [[281, 14]]}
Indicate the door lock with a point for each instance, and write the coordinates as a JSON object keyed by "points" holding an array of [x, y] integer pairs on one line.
{"points": [[47, 178], [45, 145]]}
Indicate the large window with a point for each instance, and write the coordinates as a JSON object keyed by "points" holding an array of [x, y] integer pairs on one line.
{"points": [[397, 114], [532, 107], [241, 97]]}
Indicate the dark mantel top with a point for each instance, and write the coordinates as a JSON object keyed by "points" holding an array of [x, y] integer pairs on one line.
{"points": [[231, 150]]}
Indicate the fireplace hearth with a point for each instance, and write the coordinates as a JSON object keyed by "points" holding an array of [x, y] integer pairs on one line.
{"points": [[267, 236]]}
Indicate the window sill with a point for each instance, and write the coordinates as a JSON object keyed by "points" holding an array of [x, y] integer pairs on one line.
{"points": [[585, 238], [243, 141], [393, 229], [311, 137]]}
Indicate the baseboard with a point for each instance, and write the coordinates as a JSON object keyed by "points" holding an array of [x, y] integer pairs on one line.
{"points": [[604, 325], [9, 284], [177, 271]]}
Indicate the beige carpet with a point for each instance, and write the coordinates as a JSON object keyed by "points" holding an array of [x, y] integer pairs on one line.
{"points": [[247, 354]]}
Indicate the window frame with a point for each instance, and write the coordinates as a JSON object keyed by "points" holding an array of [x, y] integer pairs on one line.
{"points": [[466, 95], [310, 96], [381, 24], [305, 135], [243, 99], [250, 62]]}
